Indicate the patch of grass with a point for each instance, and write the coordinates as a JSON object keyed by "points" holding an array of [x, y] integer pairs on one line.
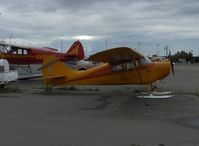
{"points": [[10, 90], [96, 89], [67, 88], [73, 88], [40, 87], [48, 89]]}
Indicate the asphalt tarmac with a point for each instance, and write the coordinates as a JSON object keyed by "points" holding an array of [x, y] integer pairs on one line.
{"points": [[102, 115]]}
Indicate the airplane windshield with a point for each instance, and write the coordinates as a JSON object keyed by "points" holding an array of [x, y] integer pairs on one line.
{"points": [[144, 60], [4, 48]]}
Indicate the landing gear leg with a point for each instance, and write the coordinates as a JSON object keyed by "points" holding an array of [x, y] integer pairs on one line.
{"points": [[150, 89]]}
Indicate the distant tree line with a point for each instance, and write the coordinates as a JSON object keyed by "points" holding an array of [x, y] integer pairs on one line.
{"points": [[181, 56], [188, 57]]}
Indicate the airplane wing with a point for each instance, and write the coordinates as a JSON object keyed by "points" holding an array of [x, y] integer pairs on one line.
{"points": [[29, 76], [115, 55]]}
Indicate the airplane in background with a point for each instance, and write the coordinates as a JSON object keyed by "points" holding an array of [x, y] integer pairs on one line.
{"points": [[24, 58], [16, 54], [120, 66]]}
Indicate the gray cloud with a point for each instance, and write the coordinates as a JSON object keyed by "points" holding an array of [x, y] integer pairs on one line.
{"points": [[121, 22]]}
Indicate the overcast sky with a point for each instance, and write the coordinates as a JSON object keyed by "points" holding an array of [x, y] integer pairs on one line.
{"points": [[148, 25]]}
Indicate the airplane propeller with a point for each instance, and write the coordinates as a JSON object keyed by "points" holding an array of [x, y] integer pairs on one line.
{"points": [[171, 62], [172, 67]]}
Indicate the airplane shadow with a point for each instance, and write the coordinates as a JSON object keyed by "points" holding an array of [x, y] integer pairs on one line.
{"points": [[104, 103]]}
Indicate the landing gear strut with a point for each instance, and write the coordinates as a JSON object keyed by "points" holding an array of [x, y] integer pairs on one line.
{"points": [[153, 94]]}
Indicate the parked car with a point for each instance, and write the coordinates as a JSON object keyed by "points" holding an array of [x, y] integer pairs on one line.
{"points": [[81, 64]]}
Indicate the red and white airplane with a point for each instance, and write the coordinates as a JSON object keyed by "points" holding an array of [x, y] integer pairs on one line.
{"points": [[16, 54], [25, 58]]}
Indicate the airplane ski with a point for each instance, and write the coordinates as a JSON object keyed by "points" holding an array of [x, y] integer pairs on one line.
{"points": [[155, 96]]}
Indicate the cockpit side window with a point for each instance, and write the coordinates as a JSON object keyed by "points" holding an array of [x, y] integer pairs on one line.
{"points": [[19, 52], [25, 52], [124, 66], [124, 63], [14, 52], [117, 67]]}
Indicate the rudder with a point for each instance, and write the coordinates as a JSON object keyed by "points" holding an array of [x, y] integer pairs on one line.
{"points": [[76, 50]]}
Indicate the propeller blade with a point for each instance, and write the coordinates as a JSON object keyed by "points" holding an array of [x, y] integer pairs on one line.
{"points": [[172, 67], [172, 64]]}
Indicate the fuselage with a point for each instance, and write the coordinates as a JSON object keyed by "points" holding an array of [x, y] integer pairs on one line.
{"points": [[107, 74]]}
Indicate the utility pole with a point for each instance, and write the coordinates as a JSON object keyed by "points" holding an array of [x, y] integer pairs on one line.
{"points": [[157, 47], [10, 37], [139, 44], [62, 42], [166, 51], [106, 43], [86, 52]]}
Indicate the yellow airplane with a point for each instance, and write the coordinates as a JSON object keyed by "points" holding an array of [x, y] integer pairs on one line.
{"points": [[119, 66]]}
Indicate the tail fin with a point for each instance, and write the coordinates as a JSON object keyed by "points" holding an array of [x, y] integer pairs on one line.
{"points": [[53, 70], [76, 50]]}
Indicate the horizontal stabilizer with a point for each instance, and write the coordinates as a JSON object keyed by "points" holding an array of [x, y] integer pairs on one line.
{"points": [[54, 70], [56, 77], [76, 51]]}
